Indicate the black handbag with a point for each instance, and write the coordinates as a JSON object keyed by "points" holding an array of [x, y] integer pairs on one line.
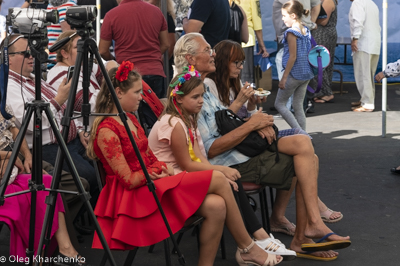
{"points": [[253, 144]]}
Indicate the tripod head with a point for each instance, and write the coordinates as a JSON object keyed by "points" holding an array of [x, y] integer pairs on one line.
{"points": [[81, 19]]}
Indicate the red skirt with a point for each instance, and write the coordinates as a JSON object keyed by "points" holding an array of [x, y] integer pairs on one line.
{"points": [[130, 218]]}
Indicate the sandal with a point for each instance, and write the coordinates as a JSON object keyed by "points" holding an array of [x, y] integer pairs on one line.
{"points": [[271, 260], [283, 228], [326, 216], [276, 247]]}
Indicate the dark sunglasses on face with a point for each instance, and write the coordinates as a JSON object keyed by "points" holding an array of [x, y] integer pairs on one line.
{"points": [[26, 53]]}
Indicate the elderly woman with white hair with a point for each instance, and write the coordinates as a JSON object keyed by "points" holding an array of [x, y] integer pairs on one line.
{"points": [[296, 155]]}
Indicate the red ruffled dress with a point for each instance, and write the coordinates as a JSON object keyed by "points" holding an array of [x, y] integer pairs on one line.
{"points": [[126, 210]]}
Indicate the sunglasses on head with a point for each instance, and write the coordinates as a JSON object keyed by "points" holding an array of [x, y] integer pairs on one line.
{"points": [[26, 53]]}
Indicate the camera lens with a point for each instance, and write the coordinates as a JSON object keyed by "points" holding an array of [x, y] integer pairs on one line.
{"points": [[52, 16]]}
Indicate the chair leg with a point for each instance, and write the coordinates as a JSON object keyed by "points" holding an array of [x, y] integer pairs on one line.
{"points": [[167, 253], [151, 248], [271, 196], [131, 256], [264, 209], [178, 240]]}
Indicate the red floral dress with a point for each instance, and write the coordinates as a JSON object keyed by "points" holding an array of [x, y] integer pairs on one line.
{"points": [[126, 210]]}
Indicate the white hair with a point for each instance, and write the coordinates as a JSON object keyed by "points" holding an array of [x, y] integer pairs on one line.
{"points": [[187, 44]]}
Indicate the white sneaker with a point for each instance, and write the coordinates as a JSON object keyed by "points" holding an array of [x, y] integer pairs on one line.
{"points": [[275, 246]]}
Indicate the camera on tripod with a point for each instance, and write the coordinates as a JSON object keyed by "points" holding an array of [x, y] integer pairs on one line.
{"points": [[28, 20], [81, 16]]}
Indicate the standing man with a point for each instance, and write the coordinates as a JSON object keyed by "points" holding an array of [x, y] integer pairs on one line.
{"points": [[211, 18], [366, 45], [140, 32]]}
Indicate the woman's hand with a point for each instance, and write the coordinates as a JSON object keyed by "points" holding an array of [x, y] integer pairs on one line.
{"points": [[4, 163], [282, 83], [246, 92], [164, 173], [233, 184], [379, 76], [230, 173]]}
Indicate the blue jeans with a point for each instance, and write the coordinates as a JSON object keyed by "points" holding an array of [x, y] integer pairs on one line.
{"points": [[82, 164], [157, 84]]}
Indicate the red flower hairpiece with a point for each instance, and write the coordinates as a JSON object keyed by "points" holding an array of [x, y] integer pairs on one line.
{"points": [[123, 71]]}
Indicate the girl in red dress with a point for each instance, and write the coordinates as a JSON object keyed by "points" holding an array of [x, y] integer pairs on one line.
{"points": [[126, 210]]}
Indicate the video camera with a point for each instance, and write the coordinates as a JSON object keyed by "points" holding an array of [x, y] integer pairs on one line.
{"points": [[80, 17], [28, 20]]}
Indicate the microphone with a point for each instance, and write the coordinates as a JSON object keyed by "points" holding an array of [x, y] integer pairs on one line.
{"points": [[61, 43]]}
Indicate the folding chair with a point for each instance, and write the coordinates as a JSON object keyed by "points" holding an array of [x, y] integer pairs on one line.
{"points": [[251, 189]]}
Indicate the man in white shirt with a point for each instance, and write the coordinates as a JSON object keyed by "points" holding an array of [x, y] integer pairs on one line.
{"points": [[21, 90], [366, 44]]}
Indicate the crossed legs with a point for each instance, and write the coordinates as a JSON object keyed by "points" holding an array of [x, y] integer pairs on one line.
{"points": [[309, 223], [218, 207]]}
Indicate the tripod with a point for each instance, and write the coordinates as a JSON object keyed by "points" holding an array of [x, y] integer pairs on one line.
{"points": [[34, 109], [85, 47]]}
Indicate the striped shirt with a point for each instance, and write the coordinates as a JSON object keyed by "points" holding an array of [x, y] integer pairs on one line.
{"points": [[21, 90], [54, 30]]}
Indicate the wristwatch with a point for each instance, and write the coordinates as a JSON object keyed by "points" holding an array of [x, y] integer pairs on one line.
{"points": [[355, 39]]}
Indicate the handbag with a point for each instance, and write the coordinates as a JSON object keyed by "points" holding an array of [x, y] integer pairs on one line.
{"points": [[319, 58], [253, 144]]}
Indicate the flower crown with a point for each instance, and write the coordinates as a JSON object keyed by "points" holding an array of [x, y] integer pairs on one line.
{"points": [[188, 73], [123, 71]]}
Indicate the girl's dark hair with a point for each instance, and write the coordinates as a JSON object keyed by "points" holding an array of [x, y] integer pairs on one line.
{"points": [[295, 7], [105, 104], [227, 51], [190, 120]]}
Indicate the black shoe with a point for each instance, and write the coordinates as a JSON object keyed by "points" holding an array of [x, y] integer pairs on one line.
{"points": [[83, 230], [395, 171]]}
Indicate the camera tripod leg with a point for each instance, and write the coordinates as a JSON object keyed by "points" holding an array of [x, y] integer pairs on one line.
{"points": [[51, 201]]}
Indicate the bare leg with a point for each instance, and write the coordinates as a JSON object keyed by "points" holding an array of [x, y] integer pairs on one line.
{"points": [[62, 237], [282, 198], [260, 234], [299, 237], [300, 147], [214, 211], [234, 222]]}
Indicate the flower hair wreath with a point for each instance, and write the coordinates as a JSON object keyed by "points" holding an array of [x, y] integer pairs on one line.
{"points": [[188, 73], [123, 71]]}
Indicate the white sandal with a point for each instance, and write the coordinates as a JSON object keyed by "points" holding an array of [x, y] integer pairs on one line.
{"points": [[271, 260], [275, 246]]}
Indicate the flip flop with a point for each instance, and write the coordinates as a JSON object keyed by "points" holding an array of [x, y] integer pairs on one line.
{"points": [[326, 216], [325, 246], [309, 256]]}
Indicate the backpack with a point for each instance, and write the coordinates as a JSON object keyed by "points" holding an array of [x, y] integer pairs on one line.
{"points": [[235, 29], [150, 107], [319, 58]]}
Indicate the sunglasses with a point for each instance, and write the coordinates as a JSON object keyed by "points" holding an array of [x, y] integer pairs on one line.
{"points": [[239, 63], [26, 53]]}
